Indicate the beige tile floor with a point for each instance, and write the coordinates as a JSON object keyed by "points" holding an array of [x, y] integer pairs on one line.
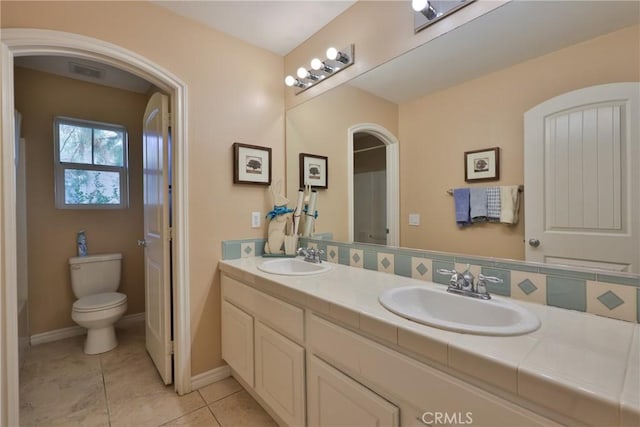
{"points": [[62, 386]]}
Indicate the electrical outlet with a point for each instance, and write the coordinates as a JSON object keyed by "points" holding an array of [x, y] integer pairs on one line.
{"points": [[414, 219], [255, 219]]}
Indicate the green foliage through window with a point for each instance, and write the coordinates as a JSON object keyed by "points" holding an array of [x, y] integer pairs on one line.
{"points": [[91, 163]]}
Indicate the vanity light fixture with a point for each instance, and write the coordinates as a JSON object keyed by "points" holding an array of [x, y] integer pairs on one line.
{"points": [[426, 8], [292, 81], [318, 65], [337, 60], [303, 73], [426, 12]]}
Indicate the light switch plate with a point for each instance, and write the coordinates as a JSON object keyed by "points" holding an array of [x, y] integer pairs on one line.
{"points": [[414, 219], [255, 219]]}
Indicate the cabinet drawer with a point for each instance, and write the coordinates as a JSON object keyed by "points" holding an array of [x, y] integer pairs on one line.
{"points": [[279, 373], [334, 399], [237, 341], [281, 316], [399, 377]]}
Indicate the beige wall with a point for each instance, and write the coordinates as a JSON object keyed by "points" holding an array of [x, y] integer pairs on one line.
{"points": [[380, 31], [320, 126], [486, 112], [52, 232], [235, 93]]}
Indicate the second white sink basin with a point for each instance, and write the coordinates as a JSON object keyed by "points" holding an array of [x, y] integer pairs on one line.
{"points": [[293, 267], [438, 308]]}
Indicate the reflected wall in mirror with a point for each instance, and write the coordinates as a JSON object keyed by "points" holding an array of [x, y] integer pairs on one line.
{"points": [[459, 96]]}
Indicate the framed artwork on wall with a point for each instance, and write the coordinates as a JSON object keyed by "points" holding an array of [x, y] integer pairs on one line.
{"points": [[482, 165], [251, 164], [314, 170]]}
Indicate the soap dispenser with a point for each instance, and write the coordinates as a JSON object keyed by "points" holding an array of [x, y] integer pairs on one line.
{"points": [[468, 279]]}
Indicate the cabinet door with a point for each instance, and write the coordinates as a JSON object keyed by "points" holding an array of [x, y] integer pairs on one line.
{"points": [[337, 400], [280, 374], [237, 341]]}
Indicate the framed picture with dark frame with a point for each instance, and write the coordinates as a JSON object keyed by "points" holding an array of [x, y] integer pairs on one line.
{"points": [[251, 164], [482, 165], [314, 170]]}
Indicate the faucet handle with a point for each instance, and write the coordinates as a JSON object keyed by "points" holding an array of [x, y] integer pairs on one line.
{"points": [[456, 279], [490, 279], [481, 286]]}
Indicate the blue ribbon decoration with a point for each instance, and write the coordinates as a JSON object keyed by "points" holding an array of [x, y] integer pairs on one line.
{"points": [[278, 210], [305, 210]]}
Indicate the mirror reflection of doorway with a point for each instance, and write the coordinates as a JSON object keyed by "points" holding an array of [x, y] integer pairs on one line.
{"points": [[369, 189]]}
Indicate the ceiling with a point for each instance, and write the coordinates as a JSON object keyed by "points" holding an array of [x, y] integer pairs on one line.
{"points": [[85, 70], [275, 25]]}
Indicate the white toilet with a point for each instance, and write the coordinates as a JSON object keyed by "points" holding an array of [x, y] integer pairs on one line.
{"points": [[95, 280]]}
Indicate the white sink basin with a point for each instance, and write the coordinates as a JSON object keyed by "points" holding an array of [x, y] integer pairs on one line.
{"points": [[440, 309], [293, 267]]}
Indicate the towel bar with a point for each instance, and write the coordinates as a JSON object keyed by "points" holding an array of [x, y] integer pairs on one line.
{"points": [[520, 190]]}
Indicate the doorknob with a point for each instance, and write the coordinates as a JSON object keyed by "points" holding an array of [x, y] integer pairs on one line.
{"points": [[534, 242], [142, 243]]}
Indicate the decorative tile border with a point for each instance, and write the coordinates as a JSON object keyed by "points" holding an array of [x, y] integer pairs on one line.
{"points": [[615, 295]]}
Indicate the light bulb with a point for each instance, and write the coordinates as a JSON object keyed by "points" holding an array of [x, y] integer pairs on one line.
{"points": [[419, 5], [302, 72], [332, 53], [289, 81], [316, 64]]}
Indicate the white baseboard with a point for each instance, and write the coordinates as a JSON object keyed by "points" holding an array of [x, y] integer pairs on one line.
{"points": [[210, 377], [130, 319], [74, 331]]}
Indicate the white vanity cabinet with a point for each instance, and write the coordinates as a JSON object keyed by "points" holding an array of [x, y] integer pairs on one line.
{"points": [[423, 392], [348, 379], [237, 341], [259, 335], [334, 399], [279, 372]]}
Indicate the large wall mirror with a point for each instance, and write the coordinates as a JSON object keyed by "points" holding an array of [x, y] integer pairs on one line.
{"points": [[466, 90]]}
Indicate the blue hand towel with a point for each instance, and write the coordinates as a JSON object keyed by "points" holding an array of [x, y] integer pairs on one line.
{"points": [[461, 200], [478, 202], [493, 204]]}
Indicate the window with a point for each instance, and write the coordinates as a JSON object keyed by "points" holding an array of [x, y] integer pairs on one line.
{"points": [[90, 164]]}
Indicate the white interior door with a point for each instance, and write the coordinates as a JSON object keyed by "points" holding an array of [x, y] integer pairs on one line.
{"points": [[582, 181], [157, 234]]}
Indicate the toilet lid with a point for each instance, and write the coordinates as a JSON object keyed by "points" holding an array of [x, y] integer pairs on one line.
{"points": [[99, 301]]}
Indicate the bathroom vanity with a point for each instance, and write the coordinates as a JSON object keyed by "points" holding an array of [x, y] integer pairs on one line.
{"points": [[320, 350]]}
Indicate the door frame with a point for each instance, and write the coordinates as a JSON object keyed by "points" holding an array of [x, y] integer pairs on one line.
{"points": [[392, 173], [29, 42]]}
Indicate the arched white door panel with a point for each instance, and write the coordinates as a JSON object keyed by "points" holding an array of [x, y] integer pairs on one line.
{"points": [[582, 178]]}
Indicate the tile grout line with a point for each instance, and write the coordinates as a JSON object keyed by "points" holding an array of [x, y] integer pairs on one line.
{"points": [[104, 387], [214, 416]]}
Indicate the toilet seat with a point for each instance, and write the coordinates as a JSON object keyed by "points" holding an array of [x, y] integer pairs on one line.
{"points": [[98, 302]]}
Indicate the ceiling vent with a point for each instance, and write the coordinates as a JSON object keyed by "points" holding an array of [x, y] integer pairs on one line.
{"points": [[86, 71]]}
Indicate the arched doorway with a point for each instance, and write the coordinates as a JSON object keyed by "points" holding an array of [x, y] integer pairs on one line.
{"points": [[26, 42], [361, 132]]}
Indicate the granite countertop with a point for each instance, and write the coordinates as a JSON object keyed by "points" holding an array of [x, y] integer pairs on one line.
{"points": [[584, 366]]}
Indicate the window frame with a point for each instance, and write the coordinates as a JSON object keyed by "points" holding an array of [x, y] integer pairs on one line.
{"points": [[60, 167]]}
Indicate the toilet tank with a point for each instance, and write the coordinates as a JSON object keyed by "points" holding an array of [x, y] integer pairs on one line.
{"points": [[95, 274]]}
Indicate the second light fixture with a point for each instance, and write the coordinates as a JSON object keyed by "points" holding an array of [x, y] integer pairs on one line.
{"points": [[337, 60]]}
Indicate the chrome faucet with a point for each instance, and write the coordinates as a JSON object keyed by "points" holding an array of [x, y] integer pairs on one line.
{"points": [[311, 254], [463, 284]]}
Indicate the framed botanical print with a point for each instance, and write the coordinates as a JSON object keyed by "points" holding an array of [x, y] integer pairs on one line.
{"points": [[482, 165], [314, 171], [251, 164]]}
